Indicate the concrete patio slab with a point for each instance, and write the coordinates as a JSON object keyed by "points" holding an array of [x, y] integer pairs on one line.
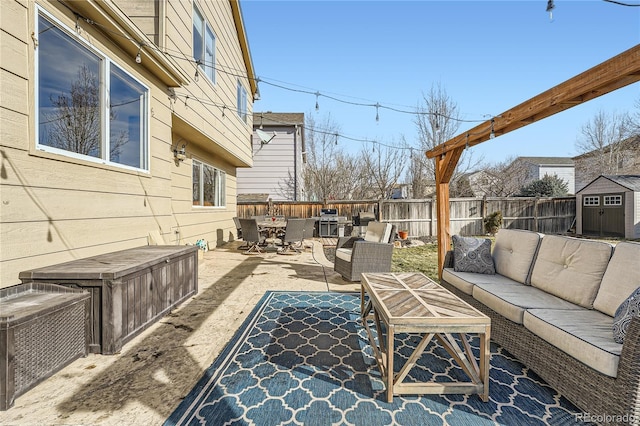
{"points": [[146, 381]]}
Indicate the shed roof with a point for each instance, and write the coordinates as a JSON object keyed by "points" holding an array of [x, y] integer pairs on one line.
{"points": [[630, 182], [269, 118]]}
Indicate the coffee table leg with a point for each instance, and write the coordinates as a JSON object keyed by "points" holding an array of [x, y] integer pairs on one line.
{"points": [[390, 372], [485, 356]]}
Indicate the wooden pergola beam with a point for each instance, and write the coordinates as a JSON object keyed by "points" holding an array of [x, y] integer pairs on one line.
{"points": [[613, 74]]}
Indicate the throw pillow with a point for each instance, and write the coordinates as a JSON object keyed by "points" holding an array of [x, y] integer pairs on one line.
{"points": [[472, 255], [626, 311]]}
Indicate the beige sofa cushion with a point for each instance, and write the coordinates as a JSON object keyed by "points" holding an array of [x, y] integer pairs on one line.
{"points": [[514, 252], [620, 279], [464, 281], [584, 334], [511, 300], [571, 268], [378, 232]]}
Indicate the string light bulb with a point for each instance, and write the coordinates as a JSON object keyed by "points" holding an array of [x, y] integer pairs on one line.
{"points": [[377, 114], [317, 105], [261, 126], [437, 124], [550, 7], [196, 77], [492, 135], [138, 56], [336, 138]]}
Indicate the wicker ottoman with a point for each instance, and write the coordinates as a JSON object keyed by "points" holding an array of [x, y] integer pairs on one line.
{"points": [[43, 328]]}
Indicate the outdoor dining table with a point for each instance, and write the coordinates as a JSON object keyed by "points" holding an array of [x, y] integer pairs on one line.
{"points": [[271, 227]]}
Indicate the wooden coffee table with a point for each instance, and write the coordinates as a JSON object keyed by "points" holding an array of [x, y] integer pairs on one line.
{"points": [[412, 303]]}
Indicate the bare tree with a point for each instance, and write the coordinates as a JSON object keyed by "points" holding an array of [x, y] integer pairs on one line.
{"points": [[502, 179], [329, 173], [437, 120], [383, 166], [74, 123], [604, 140]]}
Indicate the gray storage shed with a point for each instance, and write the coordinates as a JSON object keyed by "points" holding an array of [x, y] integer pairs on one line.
{"points": [[609, 206]]}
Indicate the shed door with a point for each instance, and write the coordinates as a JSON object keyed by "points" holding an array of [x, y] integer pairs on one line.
{"points": [[603, 215]]}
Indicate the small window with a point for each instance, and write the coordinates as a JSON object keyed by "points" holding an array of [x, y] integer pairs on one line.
{"points": [[613, 200], [204, 45], [242, 102], [591, 201], [208, 185]]}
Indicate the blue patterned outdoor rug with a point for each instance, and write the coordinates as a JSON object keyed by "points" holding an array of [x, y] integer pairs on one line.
{"points": [[303, 358]]}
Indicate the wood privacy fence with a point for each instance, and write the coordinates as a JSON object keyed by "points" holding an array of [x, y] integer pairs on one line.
{"points": [[546, 215]]}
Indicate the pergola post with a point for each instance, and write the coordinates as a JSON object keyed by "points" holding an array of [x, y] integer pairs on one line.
{"points": [[445, 165]]}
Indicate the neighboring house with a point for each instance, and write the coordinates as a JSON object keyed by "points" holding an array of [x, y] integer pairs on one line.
{"points": [[536, 168], [615, 159], [609, 206], [119, 126], [278, 158]]}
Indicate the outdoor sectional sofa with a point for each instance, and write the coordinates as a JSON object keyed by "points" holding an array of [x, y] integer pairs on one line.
{"points": [[552, 302]]}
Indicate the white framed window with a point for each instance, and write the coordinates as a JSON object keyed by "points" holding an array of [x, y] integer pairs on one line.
{"points": [[612, 200], [242, 102], [208, 185], [204, 45], [591, 200], [87, 106]]}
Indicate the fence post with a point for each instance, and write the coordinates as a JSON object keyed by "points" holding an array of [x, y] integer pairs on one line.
{"points": [[535, 214], [432, 224]]}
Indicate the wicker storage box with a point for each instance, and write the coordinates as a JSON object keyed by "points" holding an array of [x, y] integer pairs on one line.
{"points": [[43, 328], [130, 289]]}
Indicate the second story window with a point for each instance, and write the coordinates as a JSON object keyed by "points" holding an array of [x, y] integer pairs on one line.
{"points": [[204, 45], [242, 102]]}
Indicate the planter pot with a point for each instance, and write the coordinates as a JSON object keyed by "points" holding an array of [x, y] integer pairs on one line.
{"points": [[403, 235]]}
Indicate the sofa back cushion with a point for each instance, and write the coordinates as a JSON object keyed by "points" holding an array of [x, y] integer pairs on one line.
{"points": [[620, 279], [514, 252], [378, 232], [571, 268]]}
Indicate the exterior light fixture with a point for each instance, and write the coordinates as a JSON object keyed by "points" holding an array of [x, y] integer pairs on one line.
{"points": [[180, 154]]}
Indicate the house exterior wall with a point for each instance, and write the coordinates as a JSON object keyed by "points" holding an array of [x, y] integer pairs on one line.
{"points": [[58, 207], [563, 172], [278, 165], [275, 165]]}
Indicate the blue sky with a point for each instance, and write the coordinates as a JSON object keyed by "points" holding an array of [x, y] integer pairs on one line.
{"points": [[488, 55]]}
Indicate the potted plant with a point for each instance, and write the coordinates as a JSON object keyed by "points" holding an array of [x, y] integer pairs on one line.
{"points": [[493, 222], [404, 234]]}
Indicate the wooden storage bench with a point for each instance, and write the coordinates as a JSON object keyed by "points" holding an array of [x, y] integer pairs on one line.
{"points": [[130, 289], [43, 328]]}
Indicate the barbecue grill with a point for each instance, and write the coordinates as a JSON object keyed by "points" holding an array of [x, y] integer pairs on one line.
{"points": [[330, 224]]}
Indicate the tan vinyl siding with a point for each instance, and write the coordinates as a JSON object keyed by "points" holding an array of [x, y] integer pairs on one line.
{"points": [[56, 207]]}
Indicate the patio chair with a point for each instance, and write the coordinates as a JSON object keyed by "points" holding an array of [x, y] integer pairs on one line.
{"points": [[236, 221], [251, 235], [293, 234], [309, 230], [372, 253]]}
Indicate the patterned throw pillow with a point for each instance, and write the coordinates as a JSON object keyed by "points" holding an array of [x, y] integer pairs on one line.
{"points": [[472, 255], [626, 311]]}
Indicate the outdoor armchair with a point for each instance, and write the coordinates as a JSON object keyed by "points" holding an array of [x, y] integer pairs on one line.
{"points": [[369, 254]]}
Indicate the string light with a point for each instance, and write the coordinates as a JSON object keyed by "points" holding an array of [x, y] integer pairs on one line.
{"points": [[138, 57], [196, 77], [336, 138], [261, 126], [492, 135], [243, 74], [550, 7]]}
